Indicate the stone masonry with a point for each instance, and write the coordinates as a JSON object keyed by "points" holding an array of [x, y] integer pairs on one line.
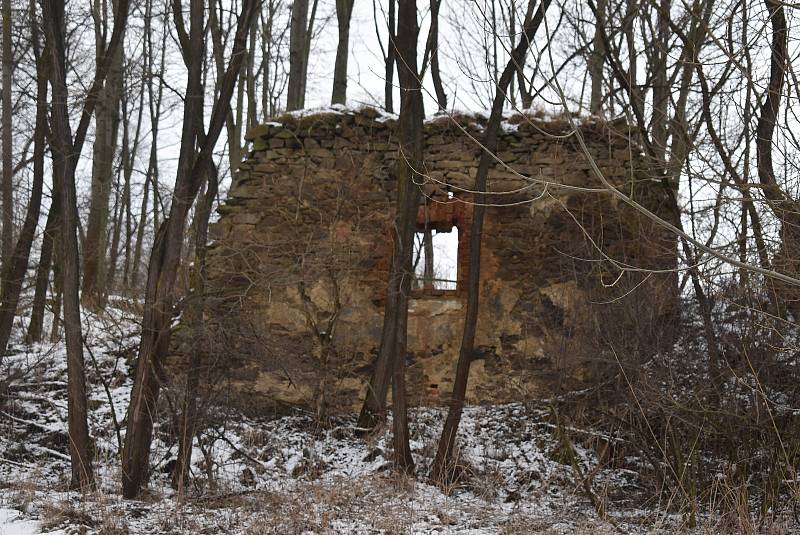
{"points": [[298, 267]]}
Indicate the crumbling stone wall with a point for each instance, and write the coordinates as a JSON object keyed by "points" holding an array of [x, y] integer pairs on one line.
{"points": [[298, 267]]}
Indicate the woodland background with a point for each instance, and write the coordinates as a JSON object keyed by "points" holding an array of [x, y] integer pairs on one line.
{"points": [[123, 122]]}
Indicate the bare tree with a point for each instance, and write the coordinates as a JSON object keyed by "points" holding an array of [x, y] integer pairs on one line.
{"points": [[7, 238], [154, 103], [392, 352], [432, 54], [783, 205], [66, 151], [49, 241], [596, 60], [107, 121], [344, 11], [129, 149], [302, 27], [441, 469], [388, 51], [14, 270], [193, 166], [195, 321]]}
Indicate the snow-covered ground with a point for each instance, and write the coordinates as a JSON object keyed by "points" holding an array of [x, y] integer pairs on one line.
{"points": [[287, 474]]}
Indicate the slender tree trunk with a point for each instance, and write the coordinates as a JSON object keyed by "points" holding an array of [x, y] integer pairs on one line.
{"points": [[596, 60], [165, 259], [391, 54], [58, 292], [307, 50], [266, 57], [14, 270], [441, 470], [785, 208], [295, 96], [154, 99], [195, 319], [7, 239], [107, 127], [51, 229], [64, 161], [344, 11], [436, 75], [427, 244], [412, 142], [250, 78], [66, 151], [129, 151], [660, 84], [392, 353], [113, 247]]}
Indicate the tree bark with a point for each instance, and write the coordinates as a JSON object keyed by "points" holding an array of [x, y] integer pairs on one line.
{"points": [[344, 11], [433, 47], [51, 228], [66, 152], [193, 166], [442, 468], [64, 162], [107, 121], [391, 54], [14, 270], [154, 99], [195, 319], [392, 353], [780, 202], [428, 271], [596, 60], [412, 140], [295, 95], [7, 239]]}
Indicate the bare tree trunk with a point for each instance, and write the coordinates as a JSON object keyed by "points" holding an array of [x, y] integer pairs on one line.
{"points": [[14, 270], [442, 470], [307, 50], [250, 78], [596, 60], [195, 320], [58, 292], [154, 99], [412, 142], [7, 240], [193, 165], [113, 247], [66, 152], [51, 228], [64, 161], [344, 11], [233, 123], [432, 48], [129, 151], [427, 244], [660, 84], [391, 54], [295, 96], [785, 208], [107, 122], [266, 56], [392, 353]]}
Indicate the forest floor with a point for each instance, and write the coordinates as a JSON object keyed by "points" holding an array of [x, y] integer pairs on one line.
{"points": [[288, 475]]}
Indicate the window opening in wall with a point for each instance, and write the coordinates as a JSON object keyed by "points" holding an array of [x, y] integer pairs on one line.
{"points": [[436, 259]]}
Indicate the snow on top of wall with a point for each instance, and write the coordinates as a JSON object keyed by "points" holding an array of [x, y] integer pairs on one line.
{"points": [[476, 119]]}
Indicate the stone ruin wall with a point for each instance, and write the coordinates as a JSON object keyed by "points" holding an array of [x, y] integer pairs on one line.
{"points": [[305, 235]]}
